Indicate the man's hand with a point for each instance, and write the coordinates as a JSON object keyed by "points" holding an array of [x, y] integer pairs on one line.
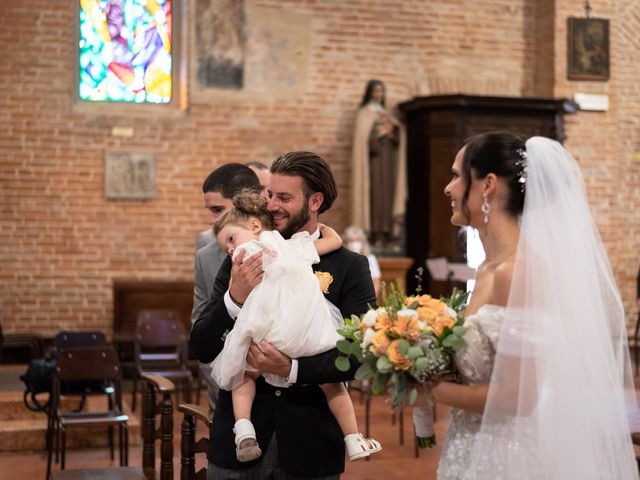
{"points": [[265, 358], [245, 276]]}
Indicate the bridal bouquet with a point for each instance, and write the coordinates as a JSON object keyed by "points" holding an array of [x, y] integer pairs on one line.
{"points": [[407, 340]]}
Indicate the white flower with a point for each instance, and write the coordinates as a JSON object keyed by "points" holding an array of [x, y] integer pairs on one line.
{"points": [[450, 312], [370, 318], [407, 312], [368, 336]]}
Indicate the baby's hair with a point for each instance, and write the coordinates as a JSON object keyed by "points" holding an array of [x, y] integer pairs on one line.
{"points": [[246, 205]]}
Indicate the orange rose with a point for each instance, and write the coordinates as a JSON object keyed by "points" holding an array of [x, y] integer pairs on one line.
{"points": [[400, 325], [383, 322], [441, 322], [396, 358], [380, 342], [437, 305], [324, 279], [407, 324], [413, 329], [409, 300], [427, 314]]}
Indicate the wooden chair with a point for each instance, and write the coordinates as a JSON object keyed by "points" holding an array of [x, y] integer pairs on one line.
{"points": [[77, 366], [161, 347], [154, 385], [189, 446], [364, 387], [22, 343], [72, 339]]}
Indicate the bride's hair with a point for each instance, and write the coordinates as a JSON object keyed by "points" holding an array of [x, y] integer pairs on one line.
{"points": [[246, 205], [497, 153]]}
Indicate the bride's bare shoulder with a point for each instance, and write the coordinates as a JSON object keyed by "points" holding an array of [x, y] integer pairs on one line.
{"points": [[502, 276]]}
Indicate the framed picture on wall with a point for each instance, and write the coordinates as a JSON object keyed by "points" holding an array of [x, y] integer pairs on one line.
{"points": [[588, 49]]}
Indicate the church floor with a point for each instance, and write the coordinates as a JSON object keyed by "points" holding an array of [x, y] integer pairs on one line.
{"points": [[395, 461]]}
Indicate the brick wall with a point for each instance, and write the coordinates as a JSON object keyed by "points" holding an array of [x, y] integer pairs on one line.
{"points": [[62, 243]]}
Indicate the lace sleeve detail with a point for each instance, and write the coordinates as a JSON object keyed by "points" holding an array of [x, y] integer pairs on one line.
{"points": [[489, 320]]}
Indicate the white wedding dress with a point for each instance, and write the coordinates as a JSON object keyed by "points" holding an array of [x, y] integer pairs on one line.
{"points": [[475, 362], [287, 308], [561, 397]]}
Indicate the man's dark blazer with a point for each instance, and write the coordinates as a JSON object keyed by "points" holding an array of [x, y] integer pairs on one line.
{"points": [[309, 439]]}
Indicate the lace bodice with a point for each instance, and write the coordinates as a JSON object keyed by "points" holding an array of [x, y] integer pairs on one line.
{"points": [[475, 362]]}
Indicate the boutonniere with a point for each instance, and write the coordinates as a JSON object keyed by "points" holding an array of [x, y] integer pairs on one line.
{"points": [[324, 279]]}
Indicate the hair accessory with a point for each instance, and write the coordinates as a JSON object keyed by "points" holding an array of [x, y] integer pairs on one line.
{"points": [[522, 163]]}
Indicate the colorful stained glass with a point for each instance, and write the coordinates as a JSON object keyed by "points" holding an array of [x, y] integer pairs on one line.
{"points": [[125, 50]]}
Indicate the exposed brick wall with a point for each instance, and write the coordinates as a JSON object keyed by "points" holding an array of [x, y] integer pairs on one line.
{"points": [[62, 243], [607, 145]]}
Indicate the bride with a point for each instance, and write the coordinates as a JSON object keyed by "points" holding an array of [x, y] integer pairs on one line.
{"points": [[546, 385]]}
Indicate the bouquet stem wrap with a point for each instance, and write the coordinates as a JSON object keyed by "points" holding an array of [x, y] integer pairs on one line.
{"points": [[423, 423]]}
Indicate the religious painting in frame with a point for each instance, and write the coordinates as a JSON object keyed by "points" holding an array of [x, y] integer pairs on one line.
{"points": [[129, 176], [588, 49]]}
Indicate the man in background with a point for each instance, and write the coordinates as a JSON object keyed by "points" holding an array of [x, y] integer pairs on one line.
{"points": [[218, 189], [264, 174]]}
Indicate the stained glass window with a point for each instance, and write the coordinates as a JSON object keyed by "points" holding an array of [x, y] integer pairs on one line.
{"points": [[125, 51]]}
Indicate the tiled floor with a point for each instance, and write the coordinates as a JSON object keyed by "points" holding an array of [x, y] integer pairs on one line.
{"points": [[395, 461]]}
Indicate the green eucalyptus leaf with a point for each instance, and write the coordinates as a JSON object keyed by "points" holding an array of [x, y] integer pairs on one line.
{"points": [[378, 384], [413, 395], [344, 332], [344, 346], [421, 364], [414, 352], [343, 364], [449, 341], [383, 365], [364, 372], [355, 349], [459, 330], [403, 346]]}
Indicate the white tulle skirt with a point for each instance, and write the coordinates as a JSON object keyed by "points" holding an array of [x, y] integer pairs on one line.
{"points": [[289, 310]]}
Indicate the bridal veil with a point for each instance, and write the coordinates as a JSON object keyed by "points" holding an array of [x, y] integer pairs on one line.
{"points": [[561, 392]]}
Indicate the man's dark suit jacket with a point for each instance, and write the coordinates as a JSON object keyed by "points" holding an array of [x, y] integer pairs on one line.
{"points": [[309, 439]]}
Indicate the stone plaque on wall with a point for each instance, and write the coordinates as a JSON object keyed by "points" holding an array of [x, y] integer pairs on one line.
{"points": [[129, 175], [220, 43], [278, 48]]}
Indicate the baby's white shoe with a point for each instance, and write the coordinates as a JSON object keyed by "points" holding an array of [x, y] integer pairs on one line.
{"points": [[360, 447], [247, 447]]}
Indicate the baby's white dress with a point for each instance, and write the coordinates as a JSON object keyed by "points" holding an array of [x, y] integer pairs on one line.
{"points": [[287, 308]]}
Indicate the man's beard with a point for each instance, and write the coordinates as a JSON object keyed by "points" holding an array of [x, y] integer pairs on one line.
{"points": [[296, 222]]}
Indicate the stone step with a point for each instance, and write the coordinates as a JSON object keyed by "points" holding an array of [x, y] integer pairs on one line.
{"points": [[21, 429]]}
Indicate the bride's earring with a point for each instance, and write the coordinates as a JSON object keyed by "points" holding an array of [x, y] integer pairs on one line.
{"points": [[485, 208]]}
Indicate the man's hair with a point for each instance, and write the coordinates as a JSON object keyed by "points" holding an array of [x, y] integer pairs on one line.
{"points": [[315, 172], [257, 165], [230, 179]]}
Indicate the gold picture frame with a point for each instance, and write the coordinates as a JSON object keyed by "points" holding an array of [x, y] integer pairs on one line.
{"points": [[588, 49]]}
